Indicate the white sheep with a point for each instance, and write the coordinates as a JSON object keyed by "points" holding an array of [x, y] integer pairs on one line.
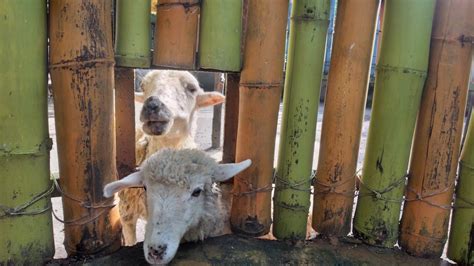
{"points": [[183, 201], [170, 100]]}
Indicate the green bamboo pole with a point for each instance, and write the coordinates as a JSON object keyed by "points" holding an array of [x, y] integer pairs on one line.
{"points": [[132, 33], [308, 29], [220, 35], [461, 238], [401, 73], [26, 236]]}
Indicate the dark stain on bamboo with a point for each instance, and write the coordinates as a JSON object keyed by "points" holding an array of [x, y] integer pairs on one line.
{"points": [[378, 163]]}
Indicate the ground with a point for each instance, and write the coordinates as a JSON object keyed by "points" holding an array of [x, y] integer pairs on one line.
{"points": [[234, 250]]}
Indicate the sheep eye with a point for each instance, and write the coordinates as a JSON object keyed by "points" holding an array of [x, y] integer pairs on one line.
{"points": [[191, 88], [196, 192]]}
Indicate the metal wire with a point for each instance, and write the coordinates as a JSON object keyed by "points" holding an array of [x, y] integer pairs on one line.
{"points": [[379, 195], [86, 218], [331, 188], [251, 190], [423, 198], [282, 184], [20, 210]]}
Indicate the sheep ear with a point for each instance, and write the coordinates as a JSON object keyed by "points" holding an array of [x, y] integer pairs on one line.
{"points": [[132, 180], [209, 98], [229, 170], [139, 97]]}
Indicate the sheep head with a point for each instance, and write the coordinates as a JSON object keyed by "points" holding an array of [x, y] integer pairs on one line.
{"points": [[170, 99], [180, 197]]}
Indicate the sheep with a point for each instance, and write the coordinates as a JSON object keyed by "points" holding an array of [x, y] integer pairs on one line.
{"points": [[170, 100], [183, 200]]}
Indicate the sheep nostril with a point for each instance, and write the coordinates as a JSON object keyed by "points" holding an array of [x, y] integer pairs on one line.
{"points": [[153, 106], [158, 252]]}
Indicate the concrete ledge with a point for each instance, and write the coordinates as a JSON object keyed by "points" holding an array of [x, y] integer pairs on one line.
{"points": [[235, 250]]}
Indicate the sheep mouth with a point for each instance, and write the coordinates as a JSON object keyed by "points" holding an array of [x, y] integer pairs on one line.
{"points": [[156, 127]]}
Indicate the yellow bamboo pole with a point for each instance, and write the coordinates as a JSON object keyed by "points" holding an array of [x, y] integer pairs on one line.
{"points": [[124, 121], [82, 73], [260, 91], [176, 33], [434, 159], [343, 116]]}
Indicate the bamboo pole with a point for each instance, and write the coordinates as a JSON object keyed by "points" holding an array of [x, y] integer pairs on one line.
{"points": [[26, 233], [217, 112], [461, 236], [132, 33], [260, 90], [343, 116], [401, 73], [220, 35], [176, 32], [82, 77], [231, 117], [307, 43], [425, 219], [124, 121]]}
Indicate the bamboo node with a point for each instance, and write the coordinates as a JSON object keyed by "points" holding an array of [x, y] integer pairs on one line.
{"points": [[307, 17], [404, 70], [186, 6], [261, 84], [45, 146], [379, 195], [294, 207], [19, 210], [82, 64]]}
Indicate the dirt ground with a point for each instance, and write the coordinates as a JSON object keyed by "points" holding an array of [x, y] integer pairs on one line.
{"points": [[235, 250]]}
